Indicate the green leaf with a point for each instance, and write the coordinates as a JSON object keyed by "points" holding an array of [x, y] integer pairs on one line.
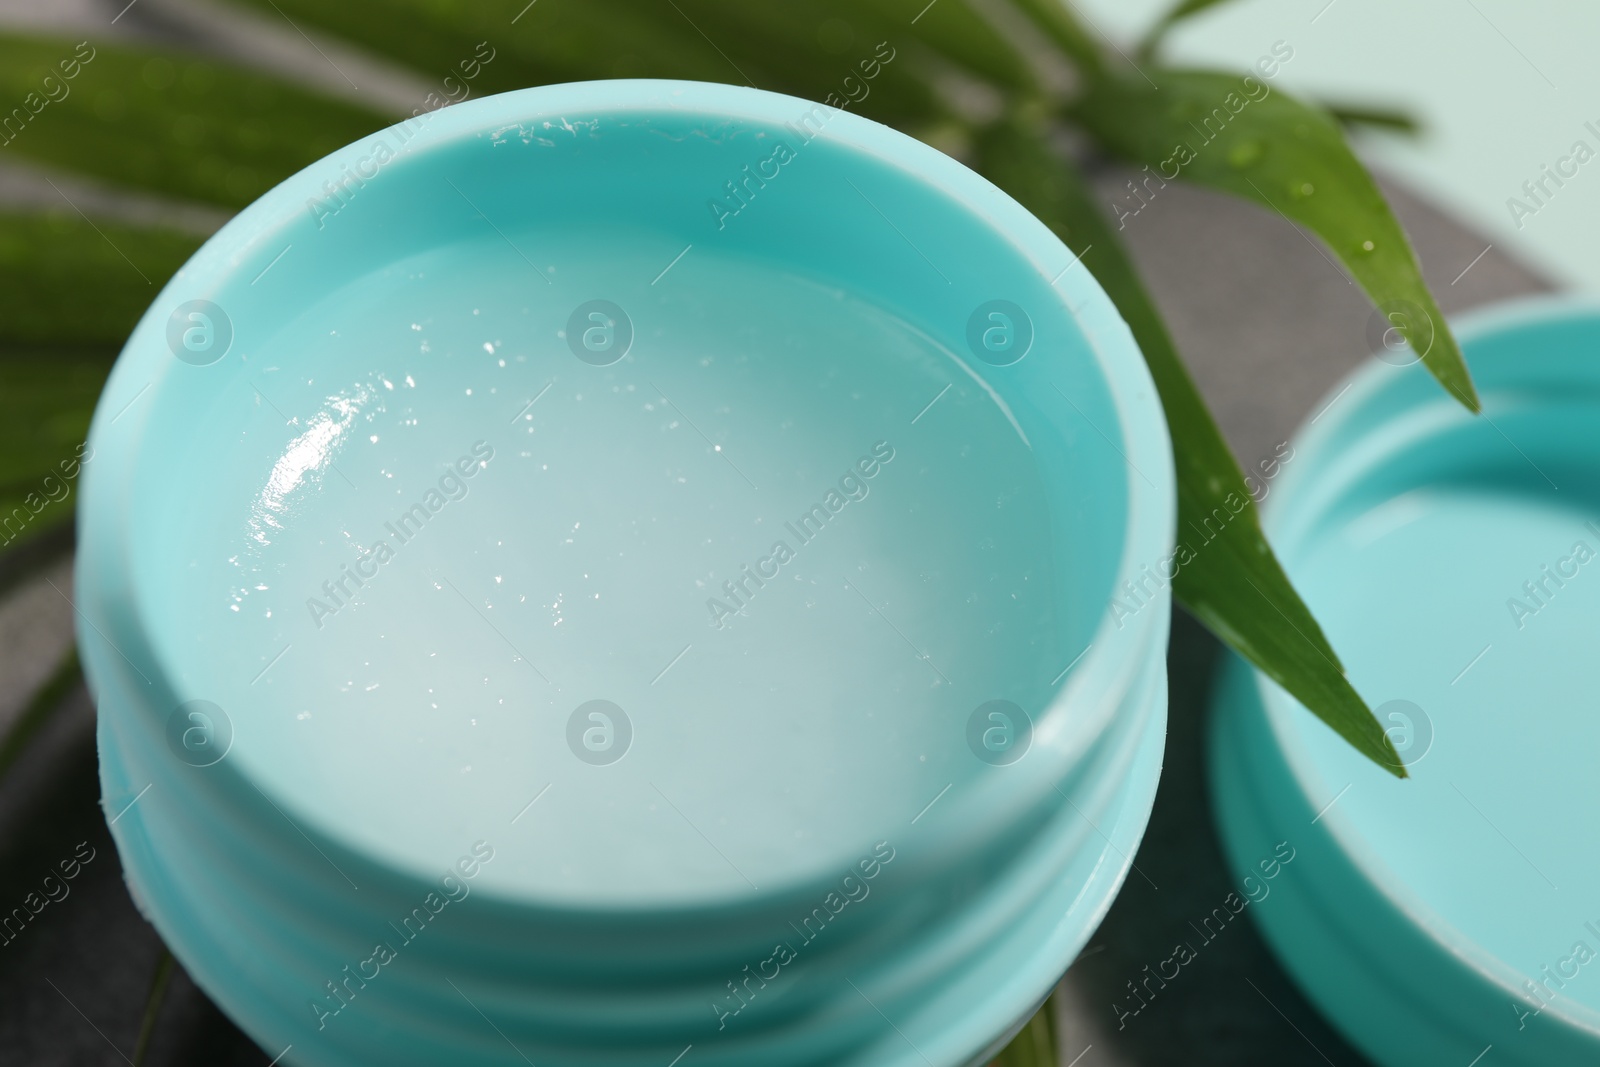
{"points": [[1382, 118], [1215, 130], [1175, 14], [68, 282], [808, 48], [46, 399], [1232, 582], [953, 29], [70, 292], [1035, 1045], [165, 121], [152, 1005], [1058, 22]]}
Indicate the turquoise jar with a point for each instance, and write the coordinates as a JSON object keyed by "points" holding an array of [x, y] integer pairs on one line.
{"points": [[617, 573], [1450, 918]]}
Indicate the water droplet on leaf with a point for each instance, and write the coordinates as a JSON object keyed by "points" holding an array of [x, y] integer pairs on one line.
{"points": [[1244, 154]]}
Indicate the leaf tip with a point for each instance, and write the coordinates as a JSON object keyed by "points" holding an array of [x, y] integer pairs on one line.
{"points": [[1387, 757]]}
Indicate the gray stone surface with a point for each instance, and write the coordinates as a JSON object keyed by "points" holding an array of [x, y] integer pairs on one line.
{"points": [[35, 631]]}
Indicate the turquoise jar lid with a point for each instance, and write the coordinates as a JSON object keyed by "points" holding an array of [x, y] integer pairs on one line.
{"points": [[614, 574], [1452, 918]]}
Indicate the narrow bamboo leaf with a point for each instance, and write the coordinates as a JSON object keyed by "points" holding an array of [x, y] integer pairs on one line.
{"points": [[1242, 137], [1177, 13], [46, 399], [1355, 115], [164, 121], [1035, 1045], [807, 48], [955, 30], [69, 282], [1058, 22], [1228, 578], [474, 48], [70, 292], [819, 49], [152, 1005]]}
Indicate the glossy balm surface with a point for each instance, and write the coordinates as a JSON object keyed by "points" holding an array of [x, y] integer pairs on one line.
{"points": [[704, 582]]}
